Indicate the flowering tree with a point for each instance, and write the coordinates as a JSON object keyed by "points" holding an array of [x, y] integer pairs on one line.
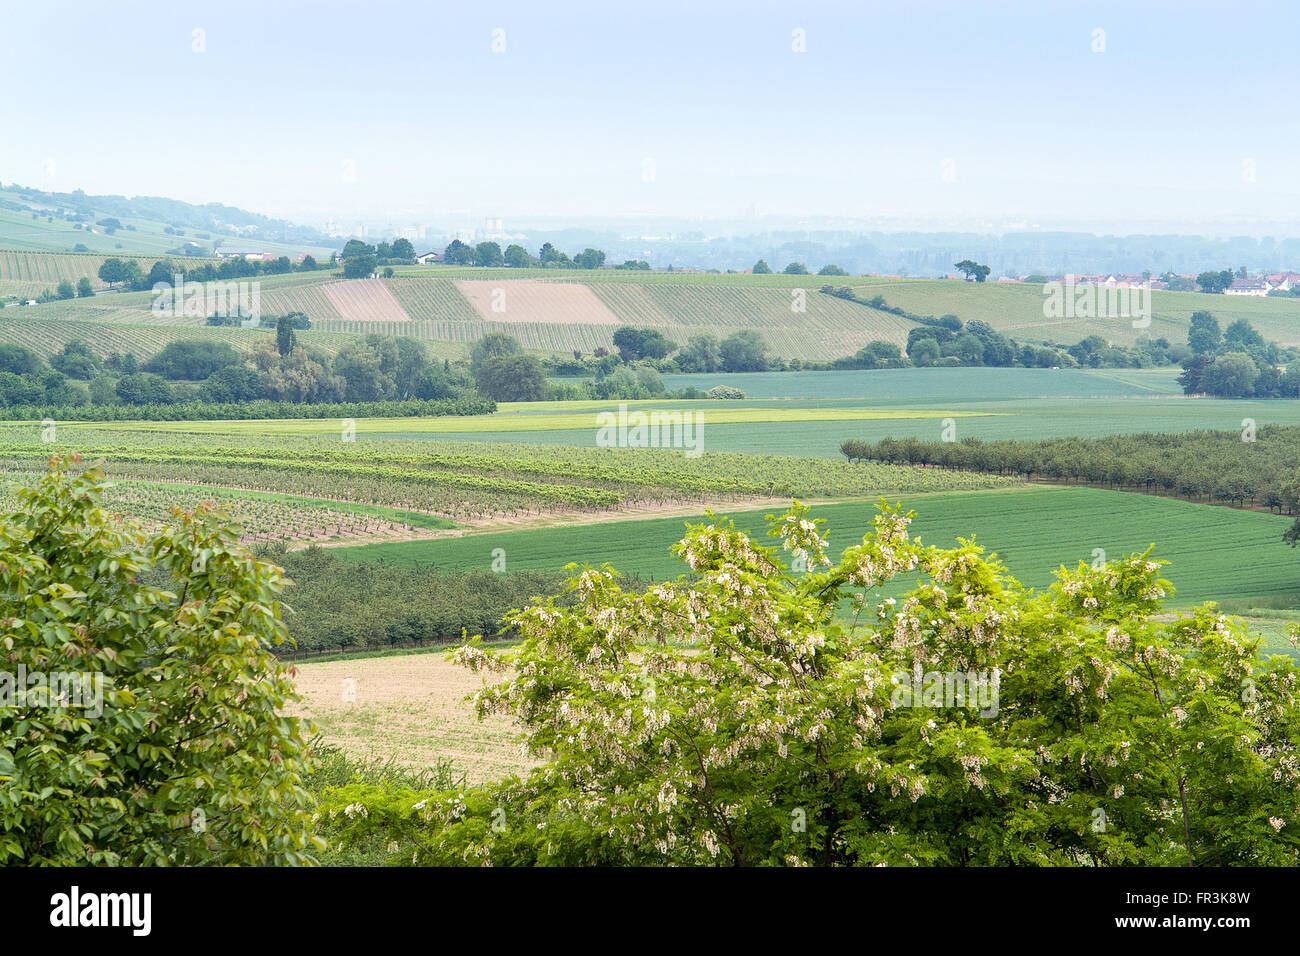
{"points": [[904, 705]]}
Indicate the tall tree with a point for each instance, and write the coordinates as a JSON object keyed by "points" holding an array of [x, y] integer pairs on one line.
{"points": [[972, 270], [1203, 336]]}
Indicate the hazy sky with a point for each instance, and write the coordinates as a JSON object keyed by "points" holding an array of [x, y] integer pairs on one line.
{"points": [[701, 109]]}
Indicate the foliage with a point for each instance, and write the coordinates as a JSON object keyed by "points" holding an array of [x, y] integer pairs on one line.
{"points": [[340, 603], [733, 718], [1257, 467], [189, 360], [512, 378], [189, 760]]}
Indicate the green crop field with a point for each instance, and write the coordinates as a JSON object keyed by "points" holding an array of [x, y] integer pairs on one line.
{"points": [[1016, 310], [816, 411], [465, 480], [1213, 552]]}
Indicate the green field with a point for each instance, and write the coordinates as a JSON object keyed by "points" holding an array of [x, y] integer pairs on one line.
{"points": [[138, 236], [1016, 310], [1213, 552], [563, 311], [815, 413]]}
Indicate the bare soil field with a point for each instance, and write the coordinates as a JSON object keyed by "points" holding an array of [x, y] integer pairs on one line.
{"points": [[411, 708], [556, 303], [366, 300]]}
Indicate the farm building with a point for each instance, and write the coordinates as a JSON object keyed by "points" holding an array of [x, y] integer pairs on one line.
{"points": [[1249, 287], [429, 257], [233, 252]]}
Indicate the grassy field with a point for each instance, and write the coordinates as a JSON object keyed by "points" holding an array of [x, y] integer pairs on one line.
{"points": [[800, 413], [1213, 552], [410, 708], [1016, 310]]}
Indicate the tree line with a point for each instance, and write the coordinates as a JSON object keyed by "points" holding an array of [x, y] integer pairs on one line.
{"points": [[1236, 362], [1253, 467], [365, 369]]}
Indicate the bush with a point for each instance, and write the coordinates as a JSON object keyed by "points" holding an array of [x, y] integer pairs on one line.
{"points": [[724, 391]]}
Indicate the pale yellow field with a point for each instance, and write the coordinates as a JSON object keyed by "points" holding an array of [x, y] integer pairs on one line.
{"points": [[412, 708]]}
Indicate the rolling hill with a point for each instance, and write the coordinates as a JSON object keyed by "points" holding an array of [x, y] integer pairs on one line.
{"points": [[565, 311]]}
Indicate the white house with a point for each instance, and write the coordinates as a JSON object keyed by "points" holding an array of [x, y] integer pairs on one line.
{"points": [[1249, 287], [429, 257], [233, 252]]}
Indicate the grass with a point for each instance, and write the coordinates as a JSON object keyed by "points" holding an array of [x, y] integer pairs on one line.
{"points": [[409, 711], [541, 419], [1016, 309], [1214, 553]]}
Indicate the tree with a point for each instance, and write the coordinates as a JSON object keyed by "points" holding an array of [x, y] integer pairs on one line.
{"points": [[1203, 333], [133, 276], [309, 264], [112, 271], [1215, 282], [20, 360], [355, 247], [735, 717], [1241, 336], [633, 344], [924, 352], [517, 257], [144, 388], [489, 254], [284, 337], [589, 258], [360, 267], [492, 345], [699, 354], [744, 351], [66, 290], [234, 383], [1230, 376], [761, 268], [459, 253], [551, 258], [76, 360], [512, 378], [831, 270], [183, 755], [84, 288], [412, 367], [402, 249], [190, 359], [368, 368], [972, 270], [796, 269]]}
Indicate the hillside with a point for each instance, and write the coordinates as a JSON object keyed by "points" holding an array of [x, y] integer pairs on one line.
{"points": [[566, 311], [42, 221]]}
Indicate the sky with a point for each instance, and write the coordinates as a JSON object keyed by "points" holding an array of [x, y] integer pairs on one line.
{"points": [[940, 113]]}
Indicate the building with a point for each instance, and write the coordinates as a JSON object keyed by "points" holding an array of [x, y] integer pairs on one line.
{"points": [[236, 252], [428, 258], [1249, 287]]}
